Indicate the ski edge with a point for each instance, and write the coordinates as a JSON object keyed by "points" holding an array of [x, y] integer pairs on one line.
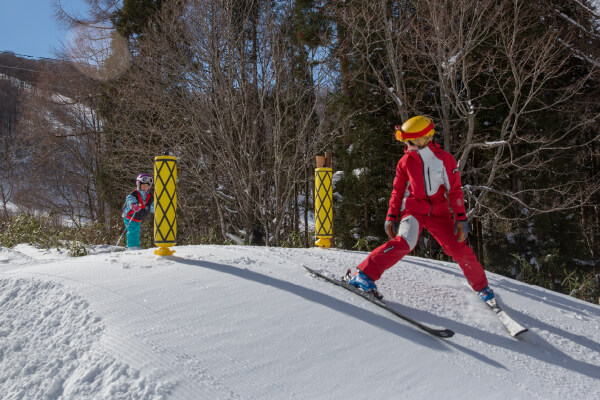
{"points": [[442, 333]]}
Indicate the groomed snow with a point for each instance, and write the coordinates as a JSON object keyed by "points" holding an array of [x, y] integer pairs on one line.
{"points": [[234, 322]]}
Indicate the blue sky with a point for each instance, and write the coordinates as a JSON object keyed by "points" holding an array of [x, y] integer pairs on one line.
{"points": [[29, 26]]}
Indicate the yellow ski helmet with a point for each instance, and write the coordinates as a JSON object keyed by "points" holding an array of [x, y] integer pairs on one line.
{"points": [[414, 128]]}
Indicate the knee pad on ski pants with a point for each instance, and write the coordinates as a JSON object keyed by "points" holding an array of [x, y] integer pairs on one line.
{"points": [[409, 230]]}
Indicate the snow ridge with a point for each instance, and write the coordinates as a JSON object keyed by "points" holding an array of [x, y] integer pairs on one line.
{"points": [[53, 352]]}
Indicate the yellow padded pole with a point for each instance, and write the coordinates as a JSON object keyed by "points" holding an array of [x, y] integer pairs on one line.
{"points": [[324, 202], [165, 204]]}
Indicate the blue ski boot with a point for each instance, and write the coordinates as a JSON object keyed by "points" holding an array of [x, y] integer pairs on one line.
{"points": [[362, 281], [486, 294]]}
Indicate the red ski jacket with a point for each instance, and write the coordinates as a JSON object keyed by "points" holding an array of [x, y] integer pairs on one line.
{"points": [[427, 182]]}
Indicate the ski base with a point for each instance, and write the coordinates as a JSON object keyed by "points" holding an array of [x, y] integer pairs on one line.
{"points": [[442, 333], [513, 328]]}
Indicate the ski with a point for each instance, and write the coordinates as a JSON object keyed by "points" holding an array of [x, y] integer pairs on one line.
{"points": [[513, 328], [442, 333]]}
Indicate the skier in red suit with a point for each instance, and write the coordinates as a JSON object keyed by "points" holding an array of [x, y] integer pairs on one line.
{"points": [[426, 194]]}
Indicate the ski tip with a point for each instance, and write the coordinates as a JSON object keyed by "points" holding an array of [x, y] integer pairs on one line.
{"points": [[520, 332], [445, 333]]}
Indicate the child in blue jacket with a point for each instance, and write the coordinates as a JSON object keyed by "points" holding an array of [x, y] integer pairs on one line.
{"points": [[138, 204]]}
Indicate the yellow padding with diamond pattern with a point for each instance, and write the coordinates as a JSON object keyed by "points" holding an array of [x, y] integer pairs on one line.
{"points": [[323, 206], [165, 203]]}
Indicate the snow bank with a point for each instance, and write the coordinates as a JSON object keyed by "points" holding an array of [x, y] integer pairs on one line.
{"points": [[49, 348]]}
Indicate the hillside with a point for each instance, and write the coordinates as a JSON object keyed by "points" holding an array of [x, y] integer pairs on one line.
{"points": [[232, 322]]}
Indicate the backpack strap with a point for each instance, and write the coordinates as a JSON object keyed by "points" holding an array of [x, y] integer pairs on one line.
{"points": [[141, 214]]}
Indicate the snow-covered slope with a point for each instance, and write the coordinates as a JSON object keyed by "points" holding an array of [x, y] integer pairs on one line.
{"points": [[232, 322]]}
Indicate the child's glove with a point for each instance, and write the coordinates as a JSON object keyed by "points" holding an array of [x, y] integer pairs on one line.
{"points": [[136, 207], [461, 230]]}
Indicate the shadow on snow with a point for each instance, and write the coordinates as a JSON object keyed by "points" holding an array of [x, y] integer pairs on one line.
{"points": [[390, 324]]}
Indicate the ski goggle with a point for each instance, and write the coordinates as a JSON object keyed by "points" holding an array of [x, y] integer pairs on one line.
{"points": [[146, 179]]}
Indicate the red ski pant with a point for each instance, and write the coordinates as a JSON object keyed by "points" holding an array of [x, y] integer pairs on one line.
{"points": [[442, 229]]}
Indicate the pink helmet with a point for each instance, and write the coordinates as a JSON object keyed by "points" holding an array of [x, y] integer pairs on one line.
{"points": [[144, 178]]}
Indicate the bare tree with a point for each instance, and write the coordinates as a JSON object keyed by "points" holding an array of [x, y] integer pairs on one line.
{"points": [[453, 57], [215, 83], [63, 133], [532, 77], [10, 142]]}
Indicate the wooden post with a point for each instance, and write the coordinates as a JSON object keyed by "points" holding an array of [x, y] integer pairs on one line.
{"points": [[324, 161]]}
